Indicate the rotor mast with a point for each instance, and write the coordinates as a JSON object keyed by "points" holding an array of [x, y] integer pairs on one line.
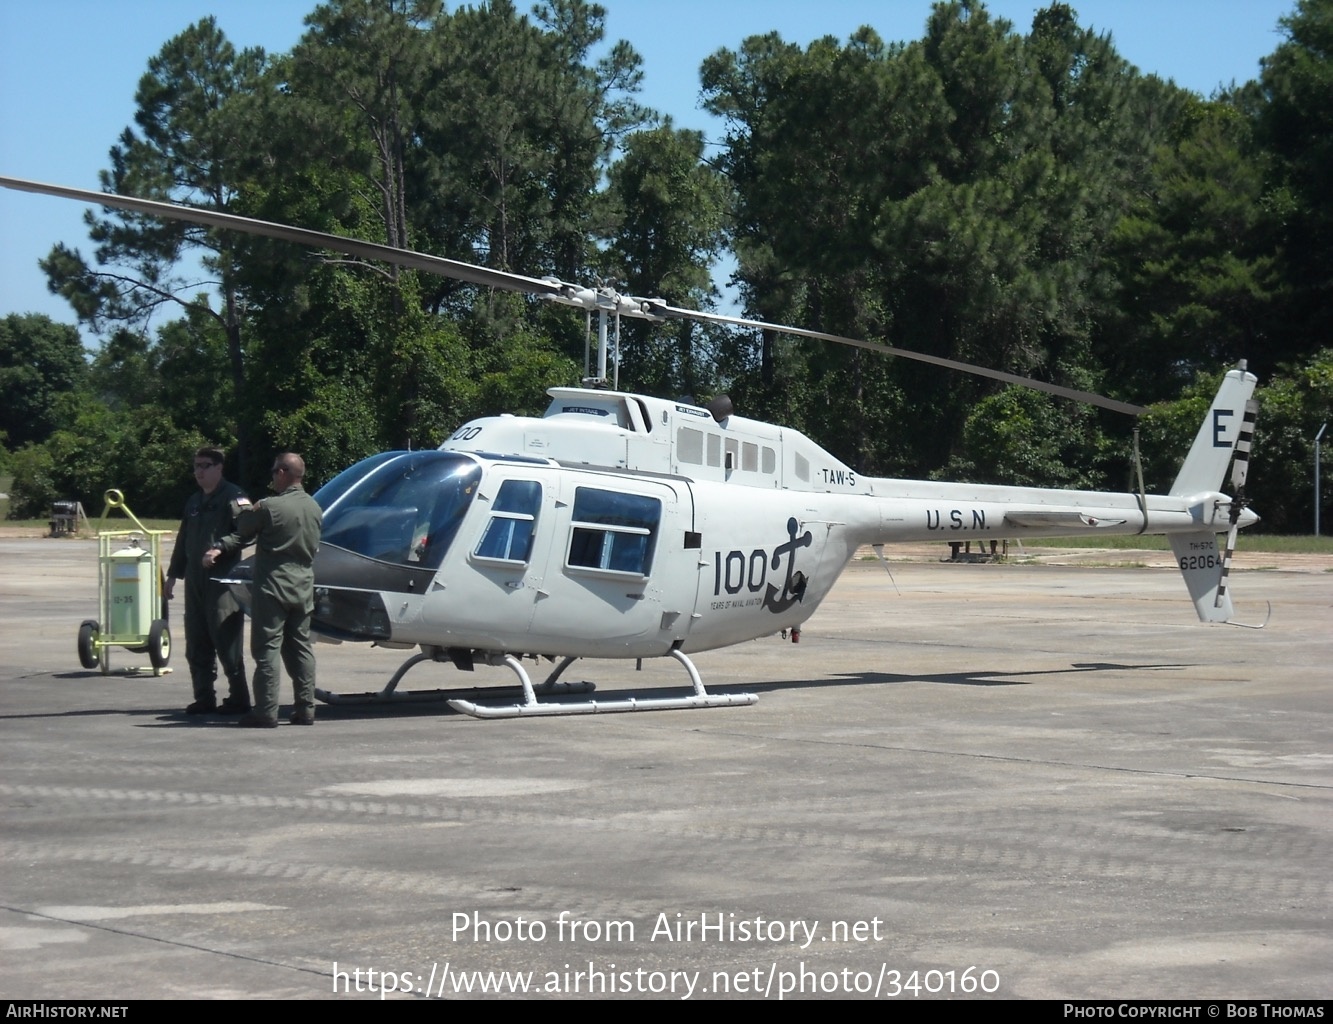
{"points": [[606, 302]]}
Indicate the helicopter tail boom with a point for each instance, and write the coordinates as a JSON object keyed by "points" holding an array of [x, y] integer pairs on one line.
{"points": [[1193, 516]]}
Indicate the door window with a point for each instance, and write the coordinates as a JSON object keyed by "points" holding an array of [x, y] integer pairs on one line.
{"points": [[613, 532], [513, 522]]}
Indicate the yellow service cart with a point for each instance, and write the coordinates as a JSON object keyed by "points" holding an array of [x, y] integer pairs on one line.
{"points": [[133, 611]]}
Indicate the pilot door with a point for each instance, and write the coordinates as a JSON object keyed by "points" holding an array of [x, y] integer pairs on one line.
{"points": [[493, 577]]}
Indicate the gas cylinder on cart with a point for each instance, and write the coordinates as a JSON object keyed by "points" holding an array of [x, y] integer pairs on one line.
{"points": [[129, 573], [131, 594]]}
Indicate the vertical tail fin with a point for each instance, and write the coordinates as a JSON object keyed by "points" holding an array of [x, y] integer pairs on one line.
{"points": [[1205, 467], [1226, 430]]}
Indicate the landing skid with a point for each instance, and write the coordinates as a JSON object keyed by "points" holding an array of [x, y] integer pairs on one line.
{"points": [[391, 693], [531, 706]]}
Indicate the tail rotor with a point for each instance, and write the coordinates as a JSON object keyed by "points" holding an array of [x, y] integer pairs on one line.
{"points": [[1240, 468]]}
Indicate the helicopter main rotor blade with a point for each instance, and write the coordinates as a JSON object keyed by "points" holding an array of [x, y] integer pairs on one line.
{"points": [[603, 299], [460, 271], [674, 313]]}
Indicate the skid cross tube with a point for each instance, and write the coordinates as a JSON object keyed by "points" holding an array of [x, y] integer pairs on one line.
{"points": [[701, 698]]}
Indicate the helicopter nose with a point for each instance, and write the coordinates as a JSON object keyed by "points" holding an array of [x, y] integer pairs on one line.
{"points": [[343, 614], [351, 589], [348, 601]]}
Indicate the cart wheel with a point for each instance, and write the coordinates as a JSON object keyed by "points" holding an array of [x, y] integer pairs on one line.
{"points": [[159, 644], [88, 634]]}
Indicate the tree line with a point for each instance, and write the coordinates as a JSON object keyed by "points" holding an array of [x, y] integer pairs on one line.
{"points": [[1018, 197]]}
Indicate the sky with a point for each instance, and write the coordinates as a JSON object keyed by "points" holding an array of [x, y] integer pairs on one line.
{"points": [[68, 73]]}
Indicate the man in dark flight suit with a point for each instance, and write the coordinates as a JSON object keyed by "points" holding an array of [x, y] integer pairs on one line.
{"points": [[213, 618], [285, 530]]}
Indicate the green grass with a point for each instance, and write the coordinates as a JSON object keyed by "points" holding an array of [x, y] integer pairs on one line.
{"points": [[1114, 543], [116, 521], [1307, 544], [119, 522], [171, 525]]}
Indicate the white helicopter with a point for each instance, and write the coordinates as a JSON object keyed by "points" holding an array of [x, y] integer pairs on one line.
{"points": [[623, 526]]}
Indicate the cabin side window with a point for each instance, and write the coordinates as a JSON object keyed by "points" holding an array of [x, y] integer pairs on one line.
{"points": [[750, 457], [690, 446], [613, 532], [513, 522], [715, 449], [802, 468]]}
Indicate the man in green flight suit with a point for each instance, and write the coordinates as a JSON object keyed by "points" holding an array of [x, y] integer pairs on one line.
{"points": [[285, 530], [213, 618]]}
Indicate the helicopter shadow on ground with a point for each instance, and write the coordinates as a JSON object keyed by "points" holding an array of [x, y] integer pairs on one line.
{"points": [[603, 693], [106, 712], [964, 678], [105, 696], [176, 718], [431, 703]]}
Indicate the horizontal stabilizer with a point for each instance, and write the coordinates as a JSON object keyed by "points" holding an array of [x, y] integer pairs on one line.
{"points": [[1043, 518]]}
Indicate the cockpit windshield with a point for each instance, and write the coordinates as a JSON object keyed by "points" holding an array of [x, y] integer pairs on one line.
{"points": [[327, 495], [404, 509]]}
